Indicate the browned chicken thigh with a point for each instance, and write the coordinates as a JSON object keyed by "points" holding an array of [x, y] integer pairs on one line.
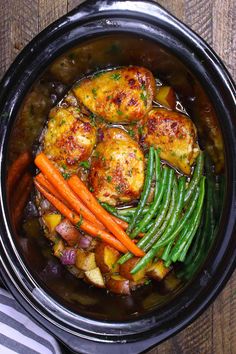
{"points": [[69, 138], [175, 135], [121, 95], [117, 169]]}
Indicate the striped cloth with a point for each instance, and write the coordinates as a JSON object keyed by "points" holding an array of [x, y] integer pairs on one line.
{"points": [[19, 334]]}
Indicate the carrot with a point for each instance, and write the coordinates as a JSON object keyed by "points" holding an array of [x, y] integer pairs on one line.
{"points": [[56, 179], [20, 188], [124, 225], [75, 219], [120, 222], [21, 199], [90, 201], [44, 182], [16, 170]]}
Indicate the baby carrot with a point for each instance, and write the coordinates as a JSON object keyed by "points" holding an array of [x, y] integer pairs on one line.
{"points": [[75, 219], [55, 178], [17, 169], [44, 182], [90, 201]]}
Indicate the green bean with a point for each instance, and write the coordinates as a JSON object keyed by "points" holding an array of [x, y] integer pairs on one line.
{"points": [[175, 216], [153, 209], [130, 211], [148, 227], [200, 246], [168, 178], [145, 192], [167, 217], [195, 247], [182, 245], [166, 252], [168, 174], [190, 236], [173, 220], [169, 242], [157, 173], [166, 221], [196, 260], [113, 211], [198, 170], [168, 259]]}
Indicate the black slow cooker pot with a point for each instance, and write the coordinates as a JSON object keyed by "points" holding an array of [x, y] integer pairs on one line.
{"points": [[101, 34]]}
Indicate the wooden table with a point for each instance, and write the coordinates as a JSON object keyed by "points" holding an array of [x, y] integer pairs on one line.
{"points": [[215, 21]]}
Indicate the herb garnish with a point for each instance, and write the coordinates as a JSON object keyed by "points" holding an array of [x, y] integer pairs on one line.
{"points": [[85, 164]]}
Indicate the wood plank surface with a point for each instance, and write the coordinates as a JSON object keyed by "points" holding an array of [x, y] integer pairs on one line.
{"points": [[215, 21]]}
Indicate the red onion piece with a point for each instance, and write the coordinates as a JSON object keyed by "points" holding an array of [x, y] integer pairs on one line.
{"points": [[68, 256], [68, 232], [84, 241]]}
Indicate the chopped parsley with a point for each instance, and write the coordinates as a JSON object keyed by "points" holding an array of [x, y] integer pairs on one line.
{"points": [[119, 112], [131, 133], [119, 188], [66, 175], [63, 121], [92, 118], [109, 179], [116, 76], [143, 98], [140, 130], [143, 87], [85, 164], [96, 154], [94, 92], [79, 222], [91, 189]]}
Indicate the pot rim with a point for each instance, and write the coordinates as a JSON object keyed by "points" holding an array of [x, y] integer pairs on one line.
{"points": [[151, 13]]}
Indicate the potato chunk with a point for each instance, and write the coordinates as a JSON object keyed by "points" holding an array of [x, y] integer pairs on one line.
{"points": [[85, 260], [95, 277], [117, 168], [52, 220], [158, 271], [69, 138], [166, 97], [118, 285], [126, 268], [121, 95], [175, 134], [106, 258]]}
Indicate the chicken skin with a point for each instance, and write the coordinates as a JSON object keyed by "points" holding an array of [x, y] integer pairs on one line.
{"points": [[69, 138], [175, 135], [123, 95], [117, 169]]}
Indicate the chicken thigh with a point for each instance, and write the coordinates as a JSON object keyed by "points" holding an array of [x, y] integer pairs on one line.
{"points": [[175, 135], [122, 95], [117, 169], [69, 138]]}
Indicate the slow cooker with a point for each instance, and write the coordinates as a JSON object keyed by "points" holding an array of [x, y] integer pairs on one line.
{"points": [[106, 34]]}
